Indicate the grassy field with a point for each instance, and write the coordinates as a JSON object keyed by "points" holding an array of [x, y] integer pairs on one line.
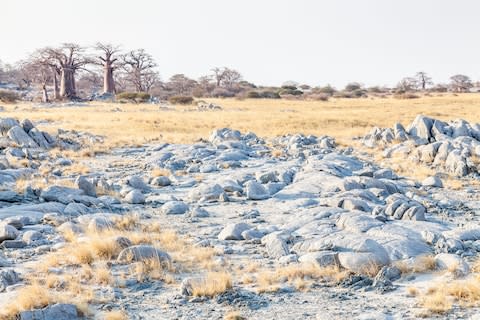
{"points": [[341, 118]]}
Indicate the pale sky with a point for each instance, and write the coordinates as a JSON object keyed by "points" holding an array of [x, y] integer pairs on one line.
{"points": [[375, 42]]}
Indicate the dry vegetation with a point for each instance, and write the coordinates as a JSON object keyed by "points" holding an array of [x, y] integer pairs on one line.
{"points": [[341, 118]]}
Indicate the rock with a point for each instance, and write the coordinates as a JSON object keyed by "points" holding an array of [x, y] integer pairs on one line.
{"points": [[452, 263], [388, 273], [143, 253], [456, 164], [321, 258], [59, 311], [88, 188], [255, 191], [421, 127], [8, 278], [75, 209], [69, 227], [16, 222], [99, 223], [21, 138], [161, 181], [31, 236], [27, 125], [10, 196], [267, 177], [137, 182], [432, 182], [8, 232], [6, 124], [39, 138], [205, 192], [174, 207], [252, 234], [366, 254], [61, 194], [135, 197], [233, 231], [275, 245], [198, 213]]}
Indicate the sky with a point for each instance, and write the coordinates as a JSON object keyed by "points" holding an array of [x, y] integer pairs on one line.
{"points": [[315, 42]]}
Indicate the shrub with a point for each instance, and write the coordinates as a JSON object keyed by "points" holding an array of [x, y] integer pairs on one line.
{"points": [[8, 96], [270, 95], [406, 95], [222, 93], [319, 97], [253, 95], [293, 92], [180, 100], [136, 97]]}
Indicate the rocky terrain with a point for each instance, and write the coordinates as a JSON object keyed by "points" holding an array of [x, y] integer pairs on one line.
{"points": [[292, 227]]}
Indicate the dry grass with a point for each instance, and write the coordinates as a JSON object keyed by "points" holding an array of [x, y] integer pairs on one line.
{"points": [[299, 275], [160, 172], [341, 118], [421, 264], [233, 315], [437, 303], [114, 315], [412, 291], [29, 297], [214, 283]]}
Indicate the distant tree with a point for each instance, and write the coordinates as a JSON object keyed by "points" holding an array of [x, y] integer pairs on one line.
{"points": [[226, 77], [109, 60], [34, 71], [407, 84], [68, 58], [423, 80], [353, 86], [139, 69], [181, 85], [460, 83]]}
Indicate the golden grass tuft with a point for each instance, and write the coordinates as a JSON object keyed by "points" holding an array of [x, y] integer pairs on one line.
{"points": [[233, 315], [114, 315], [159, 172], [213, 284]]}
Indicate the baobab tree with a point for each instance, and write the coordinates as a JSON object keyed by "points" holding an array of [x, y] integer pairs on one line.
{"points": [[110, 63], [460, 83], [407, 84], [139, 69], [43, 66], [69, 58], [181, 85], [35, 72], [423, 80], [225, 77]]}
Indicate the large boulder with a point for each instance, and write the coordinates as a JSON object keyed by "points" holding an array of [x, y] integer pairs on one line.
{"points": [[421, 127], [61, 194], [59, 311], [8, 232], [275, 245], [233, 231], [206, 192], [20, 137], [367, 254], [255, 191], [321, 258], [143, 253], [174, 207], [88, 188], [452, 263], [135, 197]]}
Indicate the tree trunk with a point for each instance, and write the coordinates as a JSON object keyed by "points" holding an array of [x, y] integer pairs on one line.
{"points": [[67, 83], [44, 93], [108, 82], [56, 93]]}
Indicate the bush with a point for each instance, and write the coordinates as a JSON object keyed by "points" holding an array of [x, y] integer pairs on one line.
{"points": [[8, 96], [180, 100], [319, 97], [253, 95], [406, 95], [222, 93], [270, 95], [293, 92], [136, 97]]}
